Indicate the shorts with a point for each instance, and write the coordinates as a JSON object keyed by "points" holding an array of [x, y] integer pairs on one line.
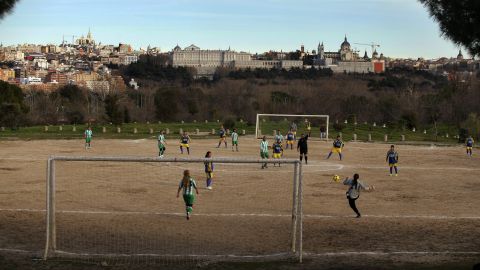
{"points": [[277, 155], [234, 142], [209, 175], [303, 151], [88, 139], [263, 154], [161, 147], [290, 142], [392, 164], [469, 147], [222, 138], [184, 145], [309, 128], [189, 199], [337, 150]]}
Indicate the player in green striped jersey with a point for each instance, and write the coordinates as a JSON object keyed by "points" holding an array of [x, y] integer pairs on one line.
{"points": [[235, 139], [161, 144], [88, 137], [187, 184], [264, 151]]}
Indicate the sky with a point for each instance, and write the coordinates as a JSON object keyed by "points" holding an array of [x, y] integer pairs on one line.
{"points": [[402, 28]]}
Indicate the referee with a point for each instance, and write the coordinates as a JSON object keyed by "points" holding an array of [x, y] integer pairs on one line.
{"points": [[302, 147]]}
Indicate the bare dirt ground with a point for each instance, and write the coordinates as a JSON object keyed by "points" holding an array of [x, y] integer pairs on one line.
{"points": [[428, 216]]}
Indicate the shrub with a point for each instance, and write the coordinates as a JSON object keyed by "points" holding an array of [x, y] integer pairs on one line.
{"points": [[229, 123], [338, 126]]}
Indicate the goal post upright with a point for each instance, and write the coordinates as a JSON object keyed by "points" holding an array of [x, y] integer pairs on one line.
{"points": [[259, 115], [50, 239], [50, 219]]}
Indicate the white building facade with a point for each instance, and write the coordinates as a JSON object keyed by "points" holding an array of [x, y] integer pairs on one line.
{"points": [[206, 61]]}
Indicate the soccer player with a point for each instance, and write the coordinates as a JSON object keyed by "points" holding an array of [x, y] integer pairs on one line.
{"points": [[290, 138], [323, 132], [469, 145], [392, 158], [337, 148], [184, 142], [264, 151], [277, 151], [188, 185], [293, 128], [235, 139], [302, 147], [308, 125], [88, 137], [278, 137], [161, 143], [353, 192], [223, 137], [209, 170]]}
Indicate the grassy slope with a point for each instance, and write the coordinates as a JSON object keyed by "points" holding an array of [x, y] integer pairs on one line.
{"points": [[127, 131]]}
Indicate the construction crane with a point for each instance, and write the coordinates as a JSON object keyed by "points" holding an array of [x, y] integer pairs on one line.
{"points": [[373, 45]]}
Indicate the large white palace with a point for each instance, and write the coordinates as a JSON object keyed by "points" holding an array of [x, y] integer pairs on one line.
{"points": [[206, 61]]}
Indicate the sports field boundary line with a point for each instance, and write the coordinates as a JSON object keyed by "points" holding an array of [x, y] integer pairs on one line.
{"points": [[283, 254], [82, 254], [307, 216], [389, 253], [308, 254]]}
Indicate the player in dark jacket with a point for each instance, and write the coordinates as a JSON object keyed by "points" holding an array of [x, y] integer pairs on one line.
{"points": [[302, 147]]}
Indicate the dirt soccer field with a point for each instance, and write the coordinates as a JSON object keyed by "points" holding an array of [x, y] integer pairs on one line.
{"points": [[429, 214]]}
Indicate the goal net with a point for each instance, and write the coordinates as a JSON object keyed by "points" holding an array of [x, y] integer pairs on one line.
{"points": [[125, 209], [269, 124]]}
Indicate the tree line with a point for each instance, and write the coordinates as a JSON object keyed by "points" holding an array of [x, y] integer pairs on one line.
{"points": [[401, 99]]}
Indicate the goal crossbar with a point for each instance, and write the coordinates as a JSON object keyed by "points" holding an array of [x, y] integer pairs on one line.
{"points": [[297, 216]]}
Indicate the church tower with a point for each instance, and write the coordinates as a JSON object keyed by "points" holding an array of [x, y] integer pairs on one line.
{"points": [[460, 55], [321, 51]]}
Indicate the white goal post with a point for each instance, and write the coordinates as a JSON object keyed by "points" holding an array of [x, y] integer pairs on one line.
{"points": [[54, 207], [301, 118]]}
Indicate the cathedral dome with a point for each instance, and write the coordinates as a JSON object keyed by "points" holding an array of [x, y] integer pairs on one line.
{"points": [[345, 44]]}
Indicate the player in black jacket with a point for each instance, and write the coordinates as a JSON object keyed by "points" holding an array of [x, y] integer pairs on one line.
{"points": [[302, 147]]}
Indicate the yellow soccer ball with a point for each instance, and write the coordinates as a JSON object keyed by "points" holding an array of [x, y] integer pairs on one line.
{"points": [[336, 178]]}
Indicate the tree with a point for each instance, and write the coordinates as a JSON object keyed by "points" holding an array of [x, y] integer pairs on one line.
{"points": [[6, 6], [459, 21], [166, 106], [432, 106], [12, 108], [112, 109], [74, 102]]}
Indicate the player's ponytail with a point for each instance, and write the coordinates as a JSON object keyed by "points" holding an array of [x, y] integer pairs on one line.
{"points": [[355, 180], [186, 178]]}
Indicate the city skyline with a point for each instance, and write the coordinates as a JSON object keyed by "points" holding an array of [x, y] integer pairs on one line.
{"points": [[402, 28]]}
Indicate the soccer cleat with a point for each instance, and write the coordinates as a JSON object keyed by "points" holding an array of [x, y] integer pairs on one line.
{"points": [[209, 187], [359, 216], [188, 215], [390, 174]]}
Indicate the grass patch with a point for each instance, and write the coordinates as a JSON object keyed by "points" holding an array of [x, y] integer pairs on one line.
{"points": [[143, 131]]}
